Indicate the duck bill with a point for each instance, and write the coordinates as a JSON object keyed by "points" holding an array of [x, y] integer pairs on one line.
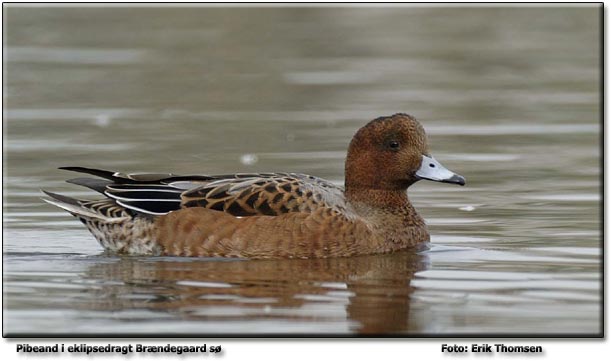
{"points": [[432, 170]]}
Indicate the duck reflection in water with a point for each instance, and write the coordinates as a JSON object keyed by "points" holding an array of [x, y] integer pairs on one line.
{"points": [[375, 291]]}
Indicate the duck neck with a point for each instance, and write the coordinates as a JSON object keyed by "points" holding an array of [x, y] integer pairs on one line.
{"points": [[390, 204], [377, 197]]}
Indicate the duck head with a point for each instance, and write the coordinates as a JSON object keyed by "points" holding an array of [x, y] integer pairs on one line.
{"points": [[392, 153]]}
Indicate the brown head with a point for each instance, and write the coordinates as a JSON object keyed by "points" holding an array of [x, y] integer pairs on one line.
{"points": [[391, 153]]}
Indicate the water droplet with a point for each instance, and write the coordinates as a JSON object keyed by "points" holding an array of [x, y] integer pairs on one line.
{"points": [[467, 208], [249, 159], [102, 120]]}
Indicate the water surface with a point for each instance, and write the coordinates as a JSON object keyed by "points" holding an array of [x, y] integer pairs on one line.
{"points": [[509, 98]]}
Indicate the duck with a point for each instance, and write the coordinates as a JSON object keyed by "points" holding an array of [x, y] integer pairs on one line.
{"points": [[269, 215]]}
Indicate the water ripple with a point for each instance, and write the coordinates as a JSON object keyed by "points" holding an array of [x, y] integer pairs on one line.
{"points": [[82, 56]]}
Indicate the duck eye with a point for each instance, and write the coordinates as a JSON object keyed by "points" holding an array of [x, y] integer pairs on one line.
{"points": [[393, 144]]}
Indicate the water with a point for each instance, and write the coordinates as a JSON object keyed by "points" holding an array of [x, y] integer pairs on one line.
{"points": [[509, 98]]}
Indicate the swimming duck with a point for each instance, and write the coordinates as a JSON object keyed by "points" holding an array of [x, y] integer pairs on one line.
{"points": [[269, 215]]}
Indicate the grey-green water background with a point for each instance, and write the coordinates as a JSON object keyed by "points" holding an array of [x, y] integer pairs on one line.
{"points": [[510, 99]]}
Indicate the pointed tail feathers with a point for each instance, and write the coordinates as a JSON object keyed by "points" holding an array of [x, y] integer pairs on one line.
{"points": [[78, 208]]}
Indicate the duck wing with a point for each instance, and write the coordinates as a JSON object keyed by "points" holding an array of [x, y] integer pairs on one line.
{"points": [[269, 194], [241, 194]]}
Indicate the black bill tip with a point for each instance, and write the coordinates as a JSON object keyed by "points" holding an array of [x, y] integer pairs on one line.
{"points": [[456, 179]]}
